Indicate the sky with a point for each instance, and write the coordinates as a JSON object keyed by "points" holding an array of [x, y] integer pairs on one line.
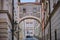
{"points": [[27, 0]]}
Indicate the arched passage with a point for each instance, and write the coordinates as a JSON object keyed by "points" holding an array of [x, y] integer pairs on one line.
{"points": [[30, 17]]}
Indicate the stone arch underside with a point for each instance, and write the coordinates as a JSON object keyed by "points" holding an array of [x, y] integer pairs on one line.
{"points": [[30, 17]]}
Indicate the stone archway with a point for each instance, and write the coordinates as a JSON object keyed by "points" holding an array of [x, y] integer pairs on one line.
{"points": [[30, 17]]}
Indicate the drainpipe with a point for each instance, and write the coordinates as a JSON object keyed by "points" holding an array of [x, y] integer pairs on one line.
{"points": [[12, 19], [49, 20]]}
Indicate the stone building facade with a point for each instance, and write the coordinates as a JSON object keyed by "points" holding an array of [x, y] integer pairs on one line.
{"points": [[52, 20], [29, 9], [5, 26], [5, 20]]}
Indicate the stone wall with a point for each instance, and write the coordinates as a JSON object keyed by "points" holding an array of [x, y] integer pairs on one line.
{"points": [[55, 24], [5, 27]]}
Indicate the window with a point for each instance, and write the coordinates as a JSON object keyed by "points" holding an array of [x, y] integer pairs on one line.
{"points": [[38, 8], [7, 0], [34, 10], [20, 9], [15, 14], [31, 22], [27, 22], [24, 10]]}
